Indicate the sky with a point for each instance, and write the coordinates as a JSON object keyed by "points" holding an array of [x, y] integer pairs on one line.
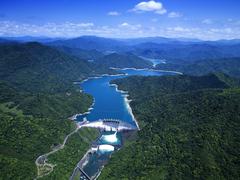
{"points": [[201, 19]]}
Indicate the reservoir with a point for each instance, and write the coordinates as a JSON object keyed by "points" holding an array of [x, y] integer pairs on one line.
{"points": [[109, 103]]}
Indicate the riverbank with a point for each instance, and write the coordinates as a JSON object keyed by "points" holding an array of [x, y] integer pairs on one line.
{"points": [[110, 100], [181, 114], [127, 103], [97, 77], [147, 69], [74, 117]]}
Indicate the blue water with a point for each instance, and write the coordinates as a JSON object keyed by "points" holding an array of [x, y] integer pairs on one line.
{"points": [[110, 104]]}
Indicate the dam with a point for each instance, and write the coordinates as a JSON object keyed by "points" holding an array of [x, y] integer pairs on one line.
{"points": [[108, 125], [111, 114]]}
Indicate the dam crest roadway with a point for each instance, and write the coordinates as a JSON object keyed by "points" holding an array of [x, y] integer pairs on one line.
{"points": [[108, 125]]}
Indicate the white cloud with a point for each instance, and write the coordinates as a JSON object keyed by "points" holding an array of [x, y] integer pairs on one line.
{"points": [[207, 21], [181, 29], [130, 26], [123, 30], [113, 13], [68, 29], [124, 24], [224, 30], [150, 6], [174, 15], [84, 24]]}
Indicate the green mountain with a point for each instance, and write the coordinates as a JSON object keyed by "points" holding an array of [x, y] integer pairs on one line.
{"points": [[90, 43], [37, 97], [89, 55], [189, 130], [123, 61], [188, 52], [34, 67], [229, 66]]}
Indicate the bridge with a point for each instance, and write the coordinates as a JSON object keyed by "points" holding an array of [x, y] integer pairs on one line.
{"points": [[108, 125], [83, 174]]}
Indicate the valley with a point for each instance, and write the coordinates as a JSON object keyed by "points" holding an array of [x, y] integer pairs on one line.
{"points": [[43, 86]]}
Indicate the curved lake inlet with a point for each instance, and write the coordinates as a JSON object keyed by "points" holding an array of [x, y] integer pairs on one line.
{"points": [[110, 110]]}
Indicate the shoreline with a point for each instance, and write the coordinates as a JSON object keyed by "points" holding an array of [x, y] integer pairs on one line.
{"points": [[97, 77], [74, 117], [127, 102], [140, 69], [124, 94]]}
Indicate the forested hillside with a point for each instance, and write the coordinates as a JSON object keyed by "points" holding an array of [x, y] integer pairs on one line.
{"points": [[229, 66], [81, 53], [35, 67], [123, 61], [37, 97], [90, 43], [188, 51], [189, 130]]}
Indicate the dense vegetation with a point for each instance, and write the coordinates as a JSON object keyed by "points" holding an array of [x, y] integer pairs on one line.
{"points": [[229, 66], [32, 124], [35, 67], [190, 125], [123, 61], [189, 130], [36, 98], [90, 43], [81, 53], [67, 158], [188, 51]]}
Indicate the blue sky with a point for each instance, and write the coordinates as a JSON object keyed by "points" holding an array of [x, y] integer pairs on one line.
{"points": [[204, 19]]}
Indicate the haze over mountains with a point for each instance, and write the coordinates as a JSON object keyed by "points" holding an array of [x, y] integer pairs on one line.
{"points": [[157, 47]]}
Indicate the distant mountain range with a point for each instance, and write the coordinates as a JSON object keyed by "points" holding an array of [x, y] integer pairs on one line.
{"points": [[31, 39], [229, 66], [192, 56], [156, 47], [152, 47], [95, 42], [156, 39]]}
